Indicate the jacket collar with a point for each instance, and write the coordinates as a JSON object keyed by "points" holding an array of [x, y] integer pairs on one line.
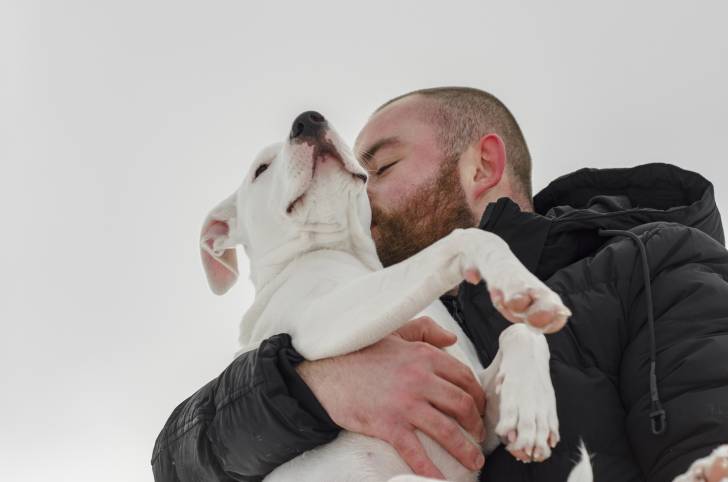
{"points": [[573, 208], [525, 232]]}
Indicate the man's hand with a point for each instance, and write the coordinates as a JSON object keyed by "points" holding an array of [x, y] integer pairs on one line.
{"points": [[401, 384]]}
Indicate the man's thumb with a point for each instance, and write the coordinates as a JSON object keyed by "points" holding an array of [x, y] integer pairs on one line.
{"points": [[425, 329]]}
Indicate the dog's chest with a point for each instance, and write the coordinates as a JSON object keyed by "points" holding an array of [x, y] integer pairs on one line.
{"points": [[463, 350], [303, 281]]}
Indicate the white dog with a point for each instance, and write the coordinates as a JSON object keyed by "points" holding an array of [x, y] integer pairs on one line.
{"points": [[303, 217]]}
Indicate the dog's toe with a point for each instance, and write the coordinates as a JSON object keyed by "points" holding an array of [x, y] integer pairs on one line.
{"points": [[553, 439], [542, 451], [547, 312], [519, 303], [519, 454]]}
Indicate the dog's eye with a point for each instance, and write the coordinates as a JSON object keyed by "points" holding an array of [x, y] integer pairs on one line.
{"points": [[260, 170]]}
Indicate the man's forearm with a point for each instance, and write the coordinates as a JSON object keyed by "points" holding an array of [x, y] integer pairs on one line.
{"points": [[256, 415]]}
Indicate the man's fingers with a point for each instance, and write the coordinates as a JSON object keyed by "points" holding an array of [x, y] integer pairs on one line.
{"points": [[459, 374], [425, 329], [447, 433], [406, 443], [457, 403]]}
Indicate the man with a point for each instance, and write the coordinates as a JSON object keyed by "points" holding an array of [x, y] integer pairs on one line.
{"points": [[640, 371]]}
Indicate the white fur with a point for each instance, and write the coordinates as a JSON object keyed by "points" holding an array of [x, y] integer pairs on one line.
{"points": [[583, 469], [318, 278], [700, 468]]}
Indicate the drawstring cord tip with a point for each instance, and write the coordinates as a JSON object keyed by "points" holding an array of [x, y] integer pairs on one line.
{"points": [[658, 418]]}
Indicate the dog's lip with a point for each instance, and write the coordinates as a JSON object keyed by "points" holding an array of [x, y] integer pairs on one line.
{"points": [[293, 203], [328, 149], [325, 149], [322, 150]]}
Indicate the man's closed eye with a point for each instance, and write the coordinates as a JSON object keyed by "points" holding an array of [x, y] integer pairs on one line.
{"points": [[384, 168]]}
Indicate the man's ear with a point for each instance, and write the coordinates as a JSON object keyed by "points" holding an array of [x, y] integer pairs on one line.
{"points": [[490, 162], [217, 246]]}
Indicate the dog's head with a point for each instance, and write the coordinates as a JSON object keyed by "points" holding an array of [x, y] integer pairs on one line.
{"points": [[305, 193]]}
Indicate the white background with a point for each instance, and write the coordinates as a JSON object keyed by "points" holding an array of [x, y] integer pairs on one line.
{"points": [[122, 123]]}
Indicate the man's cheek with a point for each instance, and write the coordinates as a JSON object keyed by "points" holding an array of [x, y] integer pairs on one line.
{"points": [[396, 197]]}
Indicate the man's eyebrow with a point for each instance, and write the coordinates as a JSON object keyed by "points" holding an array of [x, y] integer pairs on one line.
{"points": [[366, 155]]}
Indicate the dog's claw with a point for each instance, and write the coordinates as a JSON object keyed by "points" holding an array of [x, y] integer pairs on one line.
{"points": [[537, 455]]}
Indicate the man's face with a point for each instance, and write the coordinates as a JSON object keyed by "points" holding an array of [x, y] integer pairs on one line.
{"points": [[415, 191]]}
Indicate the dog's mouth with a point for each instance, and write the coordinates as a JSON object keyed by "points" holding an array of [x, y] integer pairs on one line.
{"points": [[327, 149], [320, 153], [290, 207]]}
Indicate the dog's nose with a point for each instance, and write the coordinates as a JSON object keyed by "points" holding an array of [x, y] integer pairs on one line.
{"points": [[308, 124]]}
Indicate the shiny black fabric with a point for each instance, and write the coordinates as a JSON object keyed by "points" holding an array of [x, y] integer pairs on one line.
{"points": [[600, 361], [254, 417], [259, 414]]}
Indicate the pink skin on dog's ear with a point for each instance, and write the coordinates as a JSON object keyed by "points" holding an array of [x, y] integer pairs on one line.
{"points": [[221, 271]]}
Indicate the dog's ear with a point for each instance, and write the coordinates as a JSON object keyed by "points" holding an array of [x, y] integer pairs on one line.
{"points": [[217, 246]]}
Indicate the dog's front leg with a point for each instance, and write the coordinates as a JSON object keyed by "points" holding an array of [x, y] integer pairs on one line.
{"points": [[521, 408], [365, 309]]}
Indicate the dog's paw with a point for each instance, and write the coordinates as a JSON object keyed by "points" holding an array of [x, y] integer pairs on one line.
{"points": [[536, 305], [713, 468], [515, 292], [528, 425], [521, 297]]}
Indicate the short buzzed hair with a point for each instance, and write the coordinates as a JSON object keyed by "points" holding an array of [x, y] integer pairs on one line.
{"points": [[462, 115]]}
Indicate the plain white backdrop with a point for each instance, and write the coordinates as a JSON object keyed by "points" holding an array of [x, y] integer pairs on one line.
{"points": [[122, 123]]}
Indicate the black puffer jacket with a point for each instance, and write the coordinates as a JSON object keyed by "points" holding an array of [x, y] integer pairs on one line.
{"points": [[640, 371]]}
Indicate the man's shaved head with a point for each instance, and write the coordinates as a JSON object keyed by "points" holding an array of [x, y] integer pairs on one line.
{"points": [[461, 115]]}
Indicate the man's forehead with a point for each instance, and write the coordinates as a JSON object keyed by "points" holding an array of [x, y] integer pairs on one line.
{"points": [[394, 122]]}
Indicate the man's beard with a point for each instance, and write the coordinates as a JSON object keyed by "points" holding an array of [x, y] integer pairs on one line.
{"points": [[427, 216]]}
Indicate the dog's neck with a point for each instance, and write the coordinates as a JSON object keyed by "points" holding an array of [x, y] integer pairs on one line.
{"points": [[350, 238]]}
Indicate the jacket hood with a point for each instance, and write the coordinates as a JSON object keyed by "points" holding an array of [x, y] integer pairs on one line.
{"points": [[571, 210]]}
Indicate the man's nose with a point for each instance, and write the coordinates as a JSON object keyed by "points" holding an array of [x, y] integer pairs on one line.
{"points": [[308, 124]]}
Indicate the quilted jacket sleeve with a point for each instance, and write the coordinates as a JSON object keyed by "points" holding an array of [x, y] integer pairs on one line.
{"points": [[689, 272], [255, 416]]}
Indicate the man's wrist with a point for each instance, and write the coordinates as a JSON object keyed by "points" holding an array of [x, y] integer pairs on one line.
{"points": [[315, 374], [300, 390]]}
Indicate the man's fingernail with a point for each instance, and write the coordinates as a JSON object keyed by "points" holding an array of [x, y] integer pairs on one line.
{"points": [[479, 461]]}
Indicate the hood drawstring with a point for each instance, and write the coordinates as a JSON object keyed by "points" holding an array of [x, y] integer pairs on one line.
{"points": [[658, 417]]}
